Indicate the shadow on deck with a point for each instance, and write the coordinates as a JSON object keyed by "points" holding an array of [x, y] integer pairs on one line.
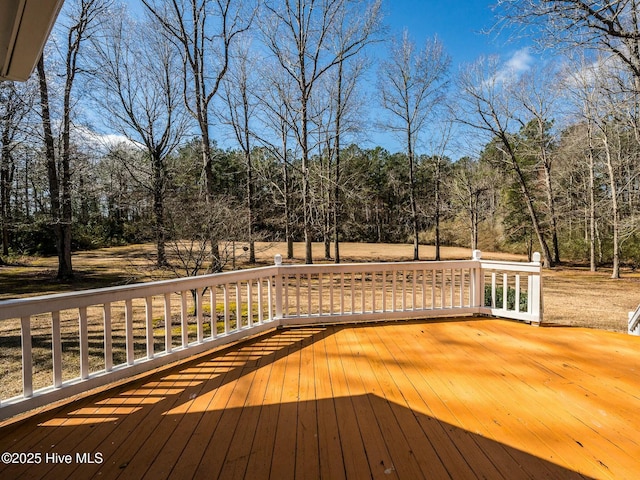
{"points": [[450, 399]]}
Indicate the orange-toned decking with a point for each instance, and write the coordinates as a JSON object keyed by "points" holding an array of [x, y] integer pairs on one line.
{"points": [[451, 399]]}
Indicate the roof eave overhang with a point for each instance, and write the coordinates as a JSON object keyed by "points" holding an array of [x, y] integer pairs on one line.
{"points": [[24, 28]]}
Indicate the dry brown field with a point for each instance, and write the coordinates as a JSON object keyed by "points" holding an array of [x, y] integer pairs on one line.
{"points": [[572, 295]]}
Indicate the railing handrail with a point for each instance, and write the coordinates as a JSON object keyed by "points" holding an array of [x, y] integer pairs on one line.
{"points": [[404, 264], [16, 308], [510, 266]]}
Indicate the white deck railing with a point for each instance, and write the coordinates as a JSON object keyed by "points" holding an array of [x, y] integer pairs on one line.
{"points": [[91, 338], [634, 322]]}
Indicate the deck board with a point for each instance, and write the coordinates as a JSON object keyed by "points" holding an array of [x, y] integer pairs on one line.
{"points": [[284, 446], [431, 379], [259, 462], [408, 400], [401, 394], [378, 456], [399, 434], [242, 442], [490, 388], [578, 436]]}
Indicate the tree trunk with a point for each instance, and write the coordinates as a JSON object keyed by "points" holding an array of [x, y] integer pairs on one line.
{"points": [[437, 213], [592, 208], [412, 196], [548, 262], [27, 207], [63, 236], [306, 204], [378, 223], [250, 204], [325, 189], [158, 211], [473, 213], [246, 141], [615, 213], [250, 194], [327, 240], [6, 179], [336, 191], [207, 166], [552, 208], [546, 253], [287, 206]]}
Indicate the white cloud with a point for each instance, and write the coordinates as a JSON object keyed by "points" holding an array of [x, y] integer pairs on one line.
{"points": [[101, 141], [520, 62]]}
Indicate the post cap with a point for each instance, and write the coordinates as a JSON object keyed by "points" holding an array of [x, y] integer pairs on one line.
{"points": [[277, 259], [536, 257], [477, 255]]}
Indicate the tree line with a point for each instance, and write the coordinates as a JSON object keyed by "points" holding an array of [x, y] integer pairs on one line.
{"points": [[549, 156]]}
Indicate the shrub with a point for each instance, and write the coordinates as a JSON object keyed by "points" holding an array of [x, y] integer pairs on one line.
{"points": [[511, 298], [35, 238]]}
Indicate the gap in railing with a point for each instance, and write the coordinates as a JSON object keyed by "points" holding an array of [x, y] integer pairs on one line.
{"points": [[10, 355]]}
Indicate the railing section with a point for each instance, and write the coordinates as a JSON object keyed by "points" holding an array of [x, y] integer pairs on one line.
{"points": [[513, 290], [634, 322], [77, 341], [73, 342], [362, 292]]}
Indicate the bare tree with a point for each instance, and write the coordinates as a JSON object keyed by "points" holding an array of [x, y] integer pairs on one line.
{"points": [[274, 94], [189, 245], [535, 93], [582, 92], [140, 93], [612, 27], [335, 117], [204, 32], [239, 97], [298, 34], [441, 142], [412, 83], [468, 184], [613, 134], [345, 107], [16, 100], [80, 23], [485, 106], [346, 120], [605, 106]]}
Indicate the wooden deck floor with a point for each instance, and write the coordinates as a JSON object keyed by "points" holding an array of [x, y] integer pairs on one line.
{"points": [[454, 399]]}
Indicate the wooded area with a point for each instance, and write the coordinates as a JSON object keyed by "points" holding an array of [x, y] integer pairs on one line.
{"points": [[116, 138]]}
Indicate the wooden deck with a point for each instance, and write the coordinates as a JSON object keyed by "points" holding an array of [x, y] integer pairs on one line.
{"points": [[452, 399]]}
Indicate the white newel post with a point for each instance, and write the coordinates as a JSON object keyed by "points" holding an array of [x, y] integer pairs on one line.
{"points": [[535, 294], [278, 279], [477, 286]]}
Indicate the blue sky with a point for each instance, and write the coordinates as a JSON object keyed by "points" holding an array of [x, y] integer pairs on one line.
{"points": [[462, 27], [458, 24]]}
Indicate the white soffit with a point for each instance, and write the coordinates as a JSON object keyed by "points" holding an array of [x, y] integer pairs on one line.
{"points": [[24, 28]]}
